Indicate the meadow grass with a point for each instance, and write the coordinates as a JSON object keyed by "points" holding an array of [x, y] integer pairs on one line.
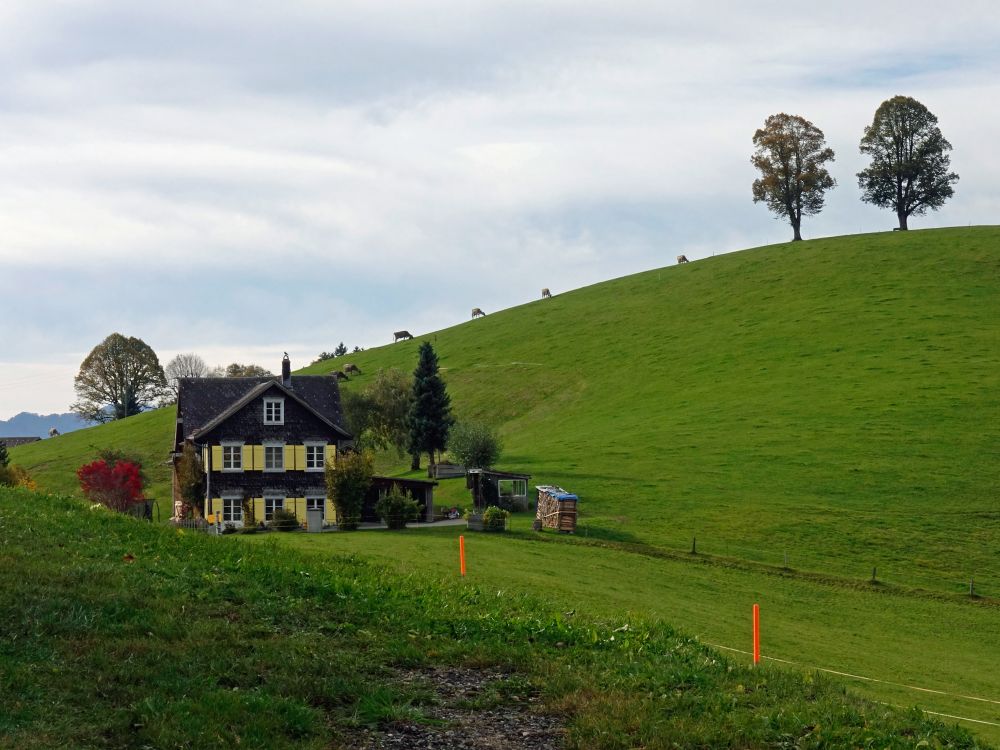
{"points": [[119, 633], [833, 403]]}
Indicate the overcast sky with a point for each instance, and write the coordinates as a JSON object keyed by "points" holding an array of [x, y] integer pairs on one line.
{"points": [[241, 179]]}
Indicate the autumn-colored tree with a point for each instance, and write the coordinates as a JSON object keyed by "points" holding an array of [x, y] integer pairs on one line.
{"points": [[190, 480], [909, 169], [790, 155], [117, 487], [120, 377]]}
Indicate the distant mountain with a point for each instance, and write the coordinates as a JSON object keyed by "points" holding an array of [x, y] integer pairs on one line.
{"points": [[27, 424]]}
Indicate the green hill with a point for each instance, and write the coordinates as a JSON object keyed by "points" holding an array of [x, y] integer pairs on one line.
{"points": [[139, 636], [831, 406]]}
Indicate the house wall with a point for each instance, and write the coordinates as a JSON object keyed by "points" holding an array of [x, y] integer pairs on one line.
{"points": [[294, 483]]}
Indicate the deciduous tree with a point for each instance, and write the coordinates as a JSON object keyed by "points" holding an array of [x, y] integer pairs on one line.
{"points": [[790, 155], [474, 445], [117, 487], [188, 365], [347, 482], [120, 377], [430, 417], [909, 168]]}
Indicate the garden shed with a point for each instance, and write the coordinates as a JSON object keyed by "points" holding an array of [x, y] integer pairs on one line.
{"points": [[501, 488]]}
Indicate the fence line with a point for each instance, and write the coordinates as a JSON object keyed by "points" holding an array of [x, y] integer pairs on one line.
{"points": [[866, 679]]}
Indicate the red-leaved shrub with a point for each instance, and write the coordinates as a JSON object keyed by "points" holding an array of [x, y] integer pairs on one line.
{"points": [[116, 487]]}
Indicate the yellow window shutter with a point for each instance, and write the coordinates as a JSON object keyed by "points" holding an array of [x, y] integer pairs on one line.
{"points": [[331, 512], [258, 457], [300, 457], [289, 457], [331, 455], [299, 508], [217, 508], [247, 458], [258, 509], [216, 457], [204, 458]]}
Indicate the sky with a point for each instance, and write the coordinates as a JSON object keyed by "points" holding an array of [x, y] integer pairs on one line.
{"points": [[243, 179]]}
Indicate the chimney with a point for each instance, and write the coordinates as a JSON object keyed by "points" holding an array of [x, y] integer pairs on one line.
{"points": [[286, 371]]}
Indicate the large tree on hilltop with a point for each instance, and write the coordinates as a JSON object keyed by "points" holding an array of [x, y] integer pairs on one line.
{"points": [[430, 413], [909, 168], [790, 154], [120, 377]]}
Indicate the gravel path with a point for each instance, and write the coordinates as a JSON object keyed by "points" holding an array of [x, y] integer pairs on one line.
{"points": [[457, 726]]}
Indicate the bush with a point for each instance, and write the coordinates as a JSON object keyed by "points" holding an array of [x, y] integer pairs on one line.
{"points": [[347, 482], [117, 487], [284, 520], [495, 519], [15, 476], [395, 508], [474, 445]]}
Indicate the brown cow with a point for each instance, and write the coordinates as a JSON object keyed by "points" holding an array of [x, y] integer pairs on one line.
{"points": [[352, 368], [339, 375], [401, 335], [546, 293], [682, 259], [477, 313]]}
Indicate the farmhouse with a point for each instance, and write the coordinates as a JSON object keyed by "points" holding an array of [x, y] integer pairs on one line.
{"points": [[264, 442]]}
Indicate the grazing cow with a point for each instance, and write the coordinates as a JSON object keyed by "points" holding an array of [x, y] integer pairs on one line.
{"points": [[682, 259], [338, 375], [401, 336], [352, 368], [477, 313], [546, 293], [53, 432]]}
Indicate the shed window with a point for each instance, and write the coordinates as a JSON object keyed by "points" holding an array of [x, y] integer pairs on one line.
{"points": [[274, 411], [512, 487]]}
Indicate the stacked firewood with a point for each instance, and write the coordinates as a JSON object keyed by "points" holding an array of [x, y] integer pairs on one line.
{"points": [[556, 508]]}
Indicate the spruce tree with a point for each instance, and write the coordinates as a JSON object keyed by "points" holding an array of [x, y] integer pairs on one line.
{"points": [[4, 458], [430, 414]]}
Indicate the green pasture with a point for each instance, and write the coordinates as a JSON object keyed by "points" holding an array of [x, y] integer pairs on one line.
{"points": [[874, 631], [120, 633]]}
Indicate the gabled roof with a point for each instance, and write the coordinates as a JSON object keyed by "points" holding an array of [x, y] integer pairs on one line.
{"points": [[204, 403]]}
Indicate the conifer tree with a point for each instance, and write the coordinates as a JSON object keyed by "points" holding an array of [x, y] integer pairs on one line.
{"points": [[430, 414], [4, 458]]}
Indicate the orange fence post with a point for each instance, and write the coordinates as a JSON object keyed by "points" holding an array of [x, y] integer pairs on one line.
{"points": [[461, 553], [756, 634]]}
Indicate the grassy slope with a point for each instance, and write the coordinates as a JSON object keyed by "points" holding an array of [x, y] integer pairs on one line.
{"points": [[156, 638], [836, 400], [53, 462]]}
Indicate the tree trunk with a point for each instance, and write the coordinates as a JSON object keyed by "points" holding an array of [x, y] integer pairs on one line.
{"points": [[902, 221], [795, 228], [414, 462]]}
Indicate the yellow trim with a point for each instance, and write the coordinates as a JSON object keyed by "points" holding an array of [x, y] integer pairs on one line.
{"points": [[300, 457], [258, 458], [247, 458], [216, 458], [331, 455], [204, 458], [290, 458]]}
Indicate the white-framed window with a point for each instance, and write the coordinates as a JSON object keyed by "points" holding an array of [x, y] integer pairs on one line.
{"points": [[272, 503], [512, 487], [315, 453], [232, 509], [232, 456], [274, 456], [274, 411], [316, 502]]}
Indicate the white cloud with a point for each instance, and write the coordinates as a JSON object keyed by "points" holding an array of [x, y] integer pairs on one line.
{"points": [[181, 169]]}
